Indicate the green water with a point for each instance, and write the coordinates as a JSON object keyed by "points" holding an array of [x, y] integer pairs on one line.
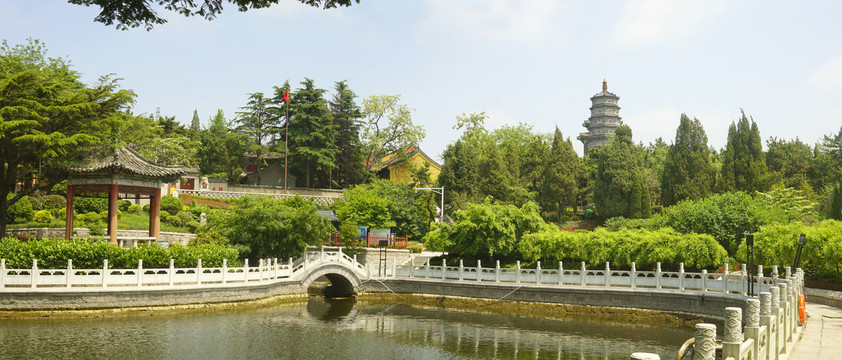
{"points": [[336, 329]]}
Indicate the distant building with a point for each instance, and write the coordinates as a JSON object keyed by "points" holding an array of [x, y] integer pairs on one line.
{"points": [[605, 118], [396, 168]]}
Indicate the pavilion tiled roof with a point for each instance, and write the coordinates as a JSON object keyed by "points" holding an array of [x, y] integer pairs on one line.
{"points": [[128, 160]]}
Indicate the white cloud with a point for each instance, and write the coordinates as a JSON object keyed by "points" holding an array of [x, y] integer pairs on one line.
{"points": [[647, 22], [526, 21], [829, 74]]}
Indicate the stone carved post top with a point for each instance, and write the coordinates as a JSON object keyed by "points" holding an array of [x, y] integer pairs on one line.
{"points": [[790, 287], [733, 325], [765, 303], [645, 356], [752, 313], [705, 339], [784, 292], [776, 297]]}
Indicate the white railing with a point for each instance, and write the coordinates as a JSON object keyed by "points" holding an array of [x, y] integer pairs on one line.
{"points": [[321, 200], [771, 326], [266, 270], [725, 282]]}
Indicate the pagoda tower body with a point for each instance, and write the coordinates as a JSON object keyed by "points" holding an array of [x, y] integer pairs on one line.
{"points": [[605, 118]]}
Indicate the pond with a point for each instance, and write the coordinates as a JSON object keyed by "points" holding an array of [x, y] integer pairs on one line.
{"points": [[333, 329]]}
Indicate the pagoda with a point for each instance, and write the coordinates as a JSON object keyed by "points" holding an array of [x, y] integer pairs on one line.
{"points": [[605, 118]]}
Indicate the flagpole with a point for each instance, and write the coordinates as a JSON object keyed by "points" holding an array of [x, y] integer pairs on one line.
{"points": [[286, 145]]}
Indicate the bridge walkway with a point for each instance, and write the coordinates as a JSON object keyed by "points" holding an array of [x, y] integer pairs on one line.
{"points": [[822, 337]]}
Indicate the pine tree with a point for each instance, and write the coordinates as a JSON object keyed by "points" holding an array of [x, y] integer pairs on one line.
{"points": [[743, 162], [196, 123], [493, 176], [459, 173], [687, 172], [347, 117], [836, 202], [560, 185], [617, 186], [312, 135]]}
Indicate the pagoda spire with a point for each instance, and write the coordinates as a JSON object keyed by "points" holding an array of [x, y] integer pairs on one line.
{"points": [[604, 85]]}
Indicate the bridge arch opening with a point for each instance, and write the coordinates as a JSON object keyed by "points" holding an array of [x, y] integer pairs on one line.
{"points": [[338, 287], [331, 281]]}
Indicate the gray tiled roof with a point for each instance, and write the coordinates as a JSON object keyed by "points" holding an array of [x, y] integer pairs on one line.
{"points": [[128, 160]]}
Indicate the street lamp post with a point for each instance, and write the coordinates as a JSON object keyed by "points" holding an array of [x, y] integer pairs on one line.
{"points": [[440, 191]]}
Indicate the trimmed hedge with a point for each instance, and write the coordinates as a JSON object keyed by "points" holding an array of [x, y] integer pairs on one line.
{"points": [[89, 254], [621, 248]]}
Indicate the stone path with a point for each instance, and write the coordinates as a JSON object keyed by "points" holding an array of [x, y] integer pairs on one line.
{"points": [[822, 338]]}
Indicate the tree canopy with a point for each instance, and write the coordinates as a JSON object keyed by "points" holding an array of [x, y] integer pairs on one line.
{"points": [[134, 13], [687, 172]]}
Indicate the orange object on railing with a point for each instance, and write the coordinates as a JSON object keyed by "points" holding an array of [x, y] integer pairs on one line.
{"points": [[802, 316]]}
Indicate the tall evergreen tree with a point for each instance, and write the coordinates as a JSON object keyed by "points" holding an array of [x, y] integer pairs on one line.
{"points": [[743, 162], [560, 185], [459, 174], [836, 202], [790, 161], [493, 176], [347, 117], [312, 135], [617, 187], [687, 173], [196, 124], [258, 124]]}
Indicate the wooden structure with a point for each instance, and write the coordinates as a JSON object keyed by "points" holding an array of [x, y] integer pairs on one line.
{"points": [[395, 167], [122, 174]]}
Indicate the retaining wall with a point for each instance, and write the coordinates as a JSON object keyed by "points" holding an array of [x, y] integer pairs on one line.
{"points": [[692, 303], [824, 297]]}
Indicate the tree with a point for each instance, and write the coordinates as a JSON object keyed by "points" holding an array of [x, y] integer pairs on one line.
{"points": [[687, 172], [132, 14], [617, 190], [836, 202], [791, 161], [388, 127], [196, 124], [47, 118], [560, 174], [312, 135], [743, 162], [346, 115], [654, 157], [259, 125], [493, 175], [460, 173], [221, 151]]}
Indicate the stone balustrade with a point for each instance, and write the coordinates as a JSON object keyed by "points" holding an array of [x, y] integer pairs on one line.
{"points": [[770, 329], [317, 199]]}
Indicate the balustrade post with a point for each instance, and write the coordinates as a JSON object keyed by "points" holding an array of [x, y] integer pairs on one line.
{"points": [[291, 264], [427, 269], [704, 280], [479, 270], [411, 266], [658, 275], [260, 265], [461, 269], [582, 274], [139, 272], [633, 276], [172, 272], [517, 273], [354, 262], [705, 342], [497, 272], [776, 311], [199, 272], [443, 269], [33, 277], [306, 259], [732, 340], [788, 271], [560, 273], [69, 272], [681, 276], [785, 310], [538, 274], [793, 305], [725, 278], [105, 273], [607, 275], [3, 273], [743, 284], [395, 267], [752, 328], [322, 254], [767, 319], [246, 270], [224, 270], [759, 281], [774, 271]]}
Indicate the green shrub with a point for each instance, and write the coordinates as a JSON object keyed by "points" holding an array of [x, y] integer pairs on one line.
{"points": [[97, 228], [37, 201], [209, 237], [58, 213], [134, 209], [89, 254], [185, 217], [42, 216], [173, 220], [123, 205], [80, 218], [193, 225], [21, 210], [84, 205], [618, 223], [171, 204], [54, 202], [92, 217], [165, 214], [146, 208]]}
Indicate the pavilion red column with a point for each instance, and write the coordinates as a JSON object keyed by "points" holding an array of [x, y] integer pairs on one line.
{"points": [[68, 224], [155, 214], [112, 213]]}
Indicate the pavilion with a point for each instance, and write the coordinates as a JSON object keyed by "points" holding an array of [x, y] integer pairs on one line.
{"points": [[119, 175]]}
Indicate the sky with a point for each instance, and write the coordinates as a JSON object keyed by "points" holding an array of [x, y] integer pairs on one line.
{"points": [[536, 62]]}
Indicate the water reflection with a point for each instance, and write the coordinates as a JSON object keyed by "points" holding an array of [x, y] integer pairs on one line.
{"points": [[333, 329]]}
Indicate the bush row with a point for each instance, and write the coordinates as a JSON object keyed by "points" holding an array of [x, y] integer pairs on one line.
{"points": [[89, 254], [621, 248]]}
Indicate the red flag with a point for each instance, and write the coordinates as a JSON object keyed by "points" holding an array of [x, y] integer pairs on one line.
{"points": [[285, 97]]}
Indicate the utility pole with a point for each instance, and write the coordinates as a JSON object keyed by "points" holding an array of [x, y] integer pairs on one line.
{"points": [[438, 190]]}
